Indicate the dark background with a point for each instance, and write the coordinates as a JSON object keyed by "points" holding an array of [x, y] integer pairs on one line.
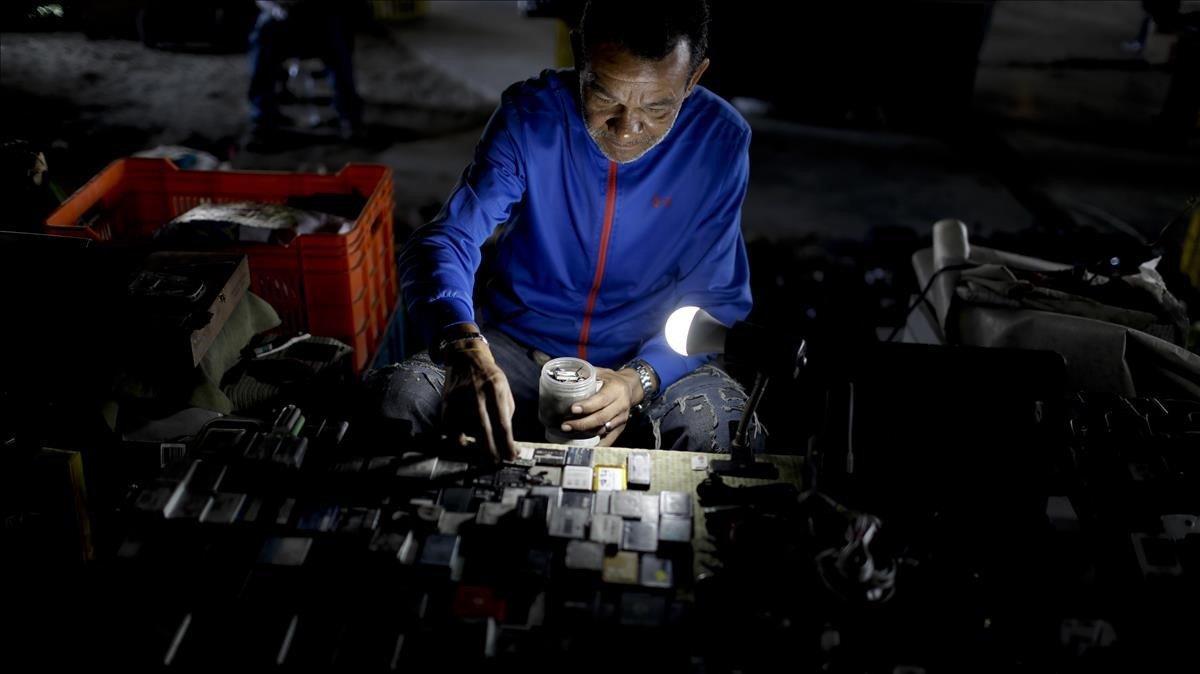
{"points": [[1036, 123]]}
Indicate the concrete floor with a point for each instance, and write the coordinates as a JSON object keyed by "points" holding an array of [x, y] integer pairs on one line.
{"points": [[836, 183]]}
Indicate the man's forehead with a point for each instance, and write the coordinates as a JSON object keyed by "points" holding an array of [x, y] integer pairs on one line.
{"points": [[609, 64]]}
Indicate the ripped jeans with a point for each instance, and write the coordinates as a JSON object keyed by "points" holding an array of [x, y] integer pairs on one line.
{"points": [[698, 413]]}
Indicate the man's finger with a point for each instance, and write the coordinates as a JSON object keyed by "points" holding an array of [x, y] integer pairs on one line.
{"points": [[486, 426], [610, 439], [618, 422], [510, 411], [603, 399], [500, 410], [595, 420]]}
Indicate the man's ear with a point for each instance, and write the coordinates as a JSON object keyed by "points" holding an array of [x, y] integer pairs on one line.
{"points": [[696, 75]]}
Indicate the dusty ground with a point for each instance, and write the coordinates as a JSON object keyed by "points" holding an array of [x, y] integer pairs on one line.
{"points": [[120, 96], [430, 85]]}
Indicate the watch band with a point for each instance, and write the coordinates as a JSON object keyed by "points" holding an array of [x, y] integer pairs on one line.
{"points": [[646, 377], [438, 354]]}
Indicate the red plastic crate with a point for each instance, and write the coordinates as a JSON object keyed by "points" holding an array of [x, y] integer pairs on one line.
{"points": [[333, 285]]}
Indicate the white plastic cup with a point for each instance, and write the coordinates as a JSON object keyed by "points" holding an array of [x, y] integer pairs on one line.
{"points": [[564, 382]]}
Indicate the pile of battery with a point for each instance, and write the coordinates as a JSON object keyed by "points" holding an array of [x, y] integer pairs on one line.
{"points": [[288, 523]]}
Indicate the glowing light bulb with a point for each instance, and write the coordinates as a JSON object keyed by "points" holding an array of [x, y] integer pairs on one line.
{"points": [[678, 327]]}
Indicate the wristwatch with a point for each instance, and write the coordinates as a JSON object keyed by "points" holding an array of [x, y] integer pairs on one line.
{"points": [[647, 378], [438, 354]]}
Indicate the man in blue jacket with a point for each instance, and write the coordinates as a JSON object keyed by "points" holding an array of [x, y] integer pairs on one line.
{"points": [[613, 195]]}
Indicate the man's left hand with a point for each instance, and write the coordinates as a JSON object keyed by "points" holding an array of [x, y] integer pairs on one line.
{"points": [[607, 412]]}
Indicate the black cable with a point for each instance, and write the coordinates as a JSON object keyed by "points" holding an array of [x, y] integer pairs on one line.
{"points": [[1188, 206], [925, 291]]}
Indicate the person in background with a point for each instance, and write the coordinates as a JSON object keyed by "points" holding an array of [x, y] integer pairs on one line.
{"points": [[1180, 116], [29, 194], [302, 28]]}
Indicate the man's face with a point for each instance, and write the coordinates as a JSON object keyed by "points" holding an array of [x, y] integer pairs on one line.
{"points": [[630, 104]]}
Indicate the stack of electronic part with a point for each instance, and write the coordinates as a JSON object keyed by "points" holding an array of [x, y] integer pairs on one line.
{"points": [[283, 543]]}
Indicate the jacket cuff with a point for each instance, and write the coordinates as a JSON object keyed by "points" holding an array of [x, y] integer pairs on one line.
{"points": [[668, 365], [437, 315]]}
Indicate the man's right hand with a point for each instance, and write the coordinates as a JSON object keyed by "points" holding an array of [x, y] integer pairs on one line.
{"points": [[477, 400]]}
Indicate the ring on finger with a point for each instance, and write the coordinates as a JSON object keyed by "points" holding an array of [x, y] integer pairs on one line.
{"points": [[608, 427]]}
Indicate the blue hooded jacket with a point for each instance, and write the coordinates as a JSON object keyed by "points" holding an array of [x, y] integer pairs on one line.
{"points": [[591, 256]]}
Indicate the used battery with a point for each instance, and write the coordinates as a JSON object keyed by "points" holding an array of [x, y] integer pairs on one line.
{"points": [[577, 477], [285, 512], [223, 508], [585, 556], [290, 451], [578, 499], [154, 499], [262, 446], [332, 434], [319, 519], [355, 520], [450, 522], [621, 568], [388, 542], [440, 550], [569, 522], [221, 442], [490, 513], [287, 417], [534, 509], [650, 507], [675, 503], [510, 476], [406, 551], [285, 551], [413, 466], [608, 478], [548, 456], [189, 506], [640, 537], [456, 499], [380, 463], [607, 529], [253, 510], [628, 504], [546, 475], [602, 502], [656, 572], [637, 467], [512, 495], [553, 495], [430, 513], [674, 529], [444, 468], [579, 456]]}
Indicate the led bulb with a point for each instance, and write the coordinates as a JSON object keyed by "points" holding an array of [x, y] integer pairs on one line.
{"points": [[678, 327]]}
